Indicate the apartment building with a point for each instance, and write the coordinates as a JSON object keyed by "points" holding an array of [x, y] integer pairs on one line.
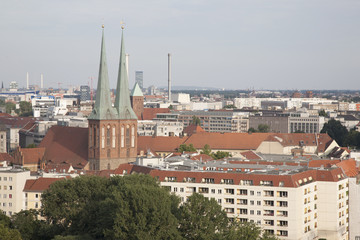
{"points": [[12, 182], [211, 121], [159, 128], [294, 203]]}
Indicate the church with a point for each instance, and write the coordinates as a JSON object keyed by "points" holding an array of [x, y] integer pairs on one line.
{"points": [[111, 137], [112, 130]]}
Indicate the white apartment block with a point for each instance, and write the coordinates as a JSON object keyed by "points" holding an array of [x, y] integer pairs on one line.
{"points": [[299, 204], [12, 182]]}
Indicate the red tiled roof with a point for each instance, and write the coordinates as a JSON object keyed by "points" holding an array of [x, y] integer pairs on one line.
{"points": [[192, 128], [349, 167], [287, 180], [150, 113], [57, 167], [66, 144], [322, 162], [251, 155], [224, 141], [6, 157], [32, 155], [40, 184], [202, 157], [159, 144]]}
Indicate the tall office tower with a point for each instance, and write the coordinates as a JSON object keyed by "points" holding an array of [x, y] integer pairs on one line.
{"points": [[139, 78], [84, 93]]}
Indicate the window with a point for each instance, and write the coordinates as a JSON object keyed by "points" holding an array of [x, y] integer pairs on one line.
{"points": [[251, 202], [258, 212], [10, 204], [127, 136], [252, 193], [122, 136], [10, 178], [213, 191], [10, 195], [132, 136], [251, 212], [36, 195], [108, 136], [258, 193], [113, 137], [103, 137], [36, 205], [258, 203], [10, 187], [181, 189], [175, 189]]}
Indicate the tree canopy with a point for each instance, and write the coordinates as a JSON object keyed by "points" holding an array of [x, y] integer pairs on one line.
{"points": [[186, 148], [336, 131]]}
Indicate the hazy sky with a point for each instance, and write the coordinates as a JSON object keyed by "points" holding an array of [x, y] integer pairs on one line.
{"points": [[240, 44]]}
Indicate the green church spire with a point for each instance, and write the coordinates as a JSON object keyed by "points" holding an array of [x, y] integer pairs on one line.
{"points": [[136, 91], [122, 101], [103, 109]]}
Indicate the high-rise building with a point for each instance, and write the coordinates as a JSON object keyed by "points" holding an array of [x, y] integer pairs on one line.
{"points": [[139, 78], [84, 93]]}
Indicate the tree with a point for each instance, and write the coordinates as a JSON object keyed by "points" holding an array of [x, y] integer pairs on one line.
{"points": [[9, 106], [231, 106], [352, 139], [25, 109], [129, 207], [322, 113], [220, 155], [27, 224], [6, 229], [186, 148], [206, 150], [263, 128], [7, 233], [247, 231], [201, 218], [252, 130], [196, 120], [336, 131]]}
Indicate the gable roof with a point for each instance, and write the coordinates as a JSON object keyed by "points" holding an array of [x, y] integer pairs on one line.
{"points": [[66, 144], [192, 128], [6, 157], [40, 184], [32, 155]]}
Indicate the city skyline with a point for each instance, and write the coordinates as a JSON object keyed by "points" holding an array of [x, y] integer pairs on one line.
{"points": [[234, 44]]}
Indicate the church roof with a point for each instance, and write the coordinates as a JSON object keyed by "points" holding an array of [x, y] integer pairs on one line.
{"points": [[136, 92], [122, 100], [66, 145], [103, 109]]}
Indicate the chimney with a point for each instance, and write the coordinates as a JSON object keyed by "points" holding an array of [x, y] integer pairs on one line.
{"points": [[27, 80], [42, 81], [169, 77]]}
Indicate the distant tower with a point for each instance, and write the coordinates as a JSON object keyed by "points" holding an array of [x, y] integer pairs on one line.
{"points": [[112, 131], [27, 80], [169, 77], [42, 81], [137, 100], [139, 78], [84, 93]]}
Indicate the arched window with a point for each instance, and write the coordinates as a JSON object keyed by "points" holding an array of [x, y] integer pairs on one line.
{"points": [[103, 137], [132, 136], [122, 136], [113, 137], [108, 136], [127, 136]]}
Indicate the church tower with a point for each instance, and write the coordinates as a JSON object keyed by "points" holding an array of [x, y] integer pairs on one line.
{"points": [[127, 118], [137, 101], [112, 131]]}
